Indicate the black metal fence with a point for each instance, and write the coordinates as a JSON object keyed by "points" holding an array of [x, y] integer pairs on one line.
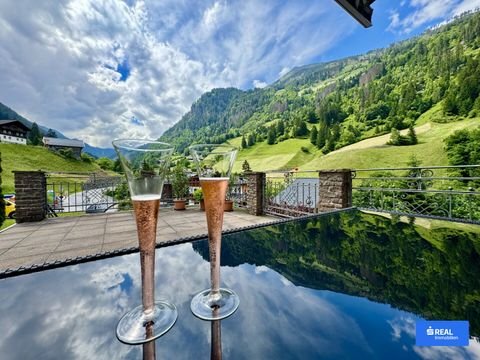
{"points": [[238, 193], [450, 192], [71, 192], [74, 192], [291, 194]]}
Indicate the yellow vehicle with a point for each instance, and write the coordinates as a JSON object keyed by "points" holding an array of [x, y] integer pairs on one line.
{"points": [[9, 209]]}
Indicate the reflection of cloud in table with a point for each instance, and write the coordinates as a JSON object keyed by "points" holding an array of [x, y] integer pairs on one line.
{"points": [[71, 313]]}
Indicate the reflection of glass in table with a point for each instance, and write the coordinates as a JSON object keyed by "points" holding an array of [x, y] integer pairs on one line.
{"points": [[349, 284]]}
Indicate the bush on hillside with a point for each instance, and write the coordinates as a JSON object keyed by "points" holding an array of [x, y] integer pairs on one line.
{"points": [[66, 153], [105, 163], [87, 158], [398, 140]]}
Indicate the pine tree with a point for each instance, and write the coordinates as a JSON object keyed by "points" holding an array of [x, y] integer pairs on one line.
{"points": [[322, 135], [244, 143], [251, 140], [271, 136], [35, 137], [412, 136], [395, 137], [246, 166], [329, 146], [51, 133], [314, 135], [413, 161], [301, 128], [280, 128], [335, 132]]}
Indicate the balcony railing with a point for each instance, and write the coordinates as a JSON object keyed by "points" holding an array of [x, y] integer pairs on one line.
{"points": [[450, 192], [291, 194]]}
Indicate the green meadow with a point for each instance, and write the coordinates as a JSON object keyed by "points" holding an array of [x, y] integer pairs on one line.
{"points": [[22, 157], [368, 153]]}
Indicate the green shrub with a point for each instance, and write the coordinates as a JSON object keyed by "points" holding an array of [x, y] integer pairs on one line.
{"points": [[87, 158], [198, 195], [66, 153], [105, 163], [179, 182]]}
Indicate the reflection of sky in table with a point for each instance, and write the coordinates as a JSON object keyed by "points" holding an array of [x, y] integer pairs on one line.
{"points": [[71, 313]]}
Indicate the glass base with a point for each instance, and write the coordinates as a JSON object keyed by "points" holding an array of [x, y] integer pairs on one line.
{"points": [[207, 307], [135, 327]]}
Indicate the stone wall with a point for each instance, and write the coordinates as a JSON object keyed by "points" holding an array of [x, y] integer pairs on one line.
{"points": [[255, 192], [30, 195], [335, 189]]}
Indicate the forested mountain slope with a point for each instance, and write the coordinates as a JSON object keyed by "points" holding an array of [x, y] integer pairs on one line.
{"points": [[432, 78]]}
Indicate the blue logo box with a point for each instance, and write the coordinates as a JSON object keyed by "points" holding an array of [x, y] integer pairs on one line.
{"points": [[442, 333]]}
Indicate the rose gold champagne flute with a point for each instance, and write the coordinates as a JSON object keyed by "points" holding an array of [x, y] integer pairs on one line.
{"points": [[145, 164], [214, 165]]}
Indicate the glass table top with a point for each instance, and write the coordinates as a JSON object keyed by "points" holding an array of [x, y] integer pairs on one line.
{"points": [[347, 285]]}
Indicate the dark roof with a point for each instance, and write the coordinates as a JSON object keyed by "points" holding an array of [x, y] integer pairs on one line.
{"points": [[359, 9], [16, 122], [49, 141]]}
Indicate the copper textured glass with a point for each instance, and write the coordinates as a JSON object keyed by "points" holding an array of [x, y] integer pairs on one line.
{"points": [[214, 164], [145, 164]]}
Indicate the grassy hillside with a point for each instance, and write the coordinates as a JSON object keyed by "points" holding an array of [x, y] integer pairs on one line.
{"points": [[369, 153], [22, 157]]}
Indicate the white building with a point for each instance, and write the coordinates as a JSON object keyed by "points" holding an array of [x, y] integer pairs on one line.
{"points": [[13, 131]]}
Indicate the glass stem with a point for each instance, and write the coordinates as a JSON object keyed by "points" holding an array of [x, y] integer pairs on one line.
{"points": [[214, 248], [216, 340], [146, 214], [214, 194], [149, 348]]}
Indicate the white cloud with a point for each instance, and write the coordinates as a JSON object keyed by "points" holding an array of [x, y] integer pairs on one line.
{"points": [[284, 71], [60, 61], [259, 84], [466, 5], [425, 11]]}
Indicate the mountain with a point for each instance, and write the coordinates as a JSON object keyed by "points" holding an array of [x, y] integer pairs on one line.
{"points": [[7, 113], [99, 152], [214, 114], [348, 100]]}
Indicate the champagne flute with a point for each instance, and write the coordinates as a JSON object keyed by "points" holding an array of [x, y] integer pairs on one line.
{"points": [[145, 163], [214, 164]]}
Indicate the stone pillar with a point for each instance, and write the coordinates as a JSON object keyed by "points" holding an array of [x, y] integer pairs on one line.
{"points": [[255, 192], [335, 189], [30, 195]]}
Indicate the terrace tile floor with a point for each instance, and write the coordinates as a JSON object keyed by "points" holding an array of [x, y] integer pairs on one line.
{"points": [[70, 237]]}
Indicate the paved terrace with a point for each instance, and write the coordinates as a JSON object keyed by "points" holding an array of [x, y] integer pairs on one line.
{"points": [[64, 238]]}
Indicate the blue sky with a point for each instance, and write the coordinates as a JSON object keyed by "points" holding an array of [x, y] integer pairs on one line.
{"points": [[103, 69]]}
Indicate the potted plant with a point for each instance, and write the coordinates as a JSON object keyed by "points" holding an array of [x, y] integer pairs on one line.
{"points": [[198, 196], [179, 187], [228, 201]]}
